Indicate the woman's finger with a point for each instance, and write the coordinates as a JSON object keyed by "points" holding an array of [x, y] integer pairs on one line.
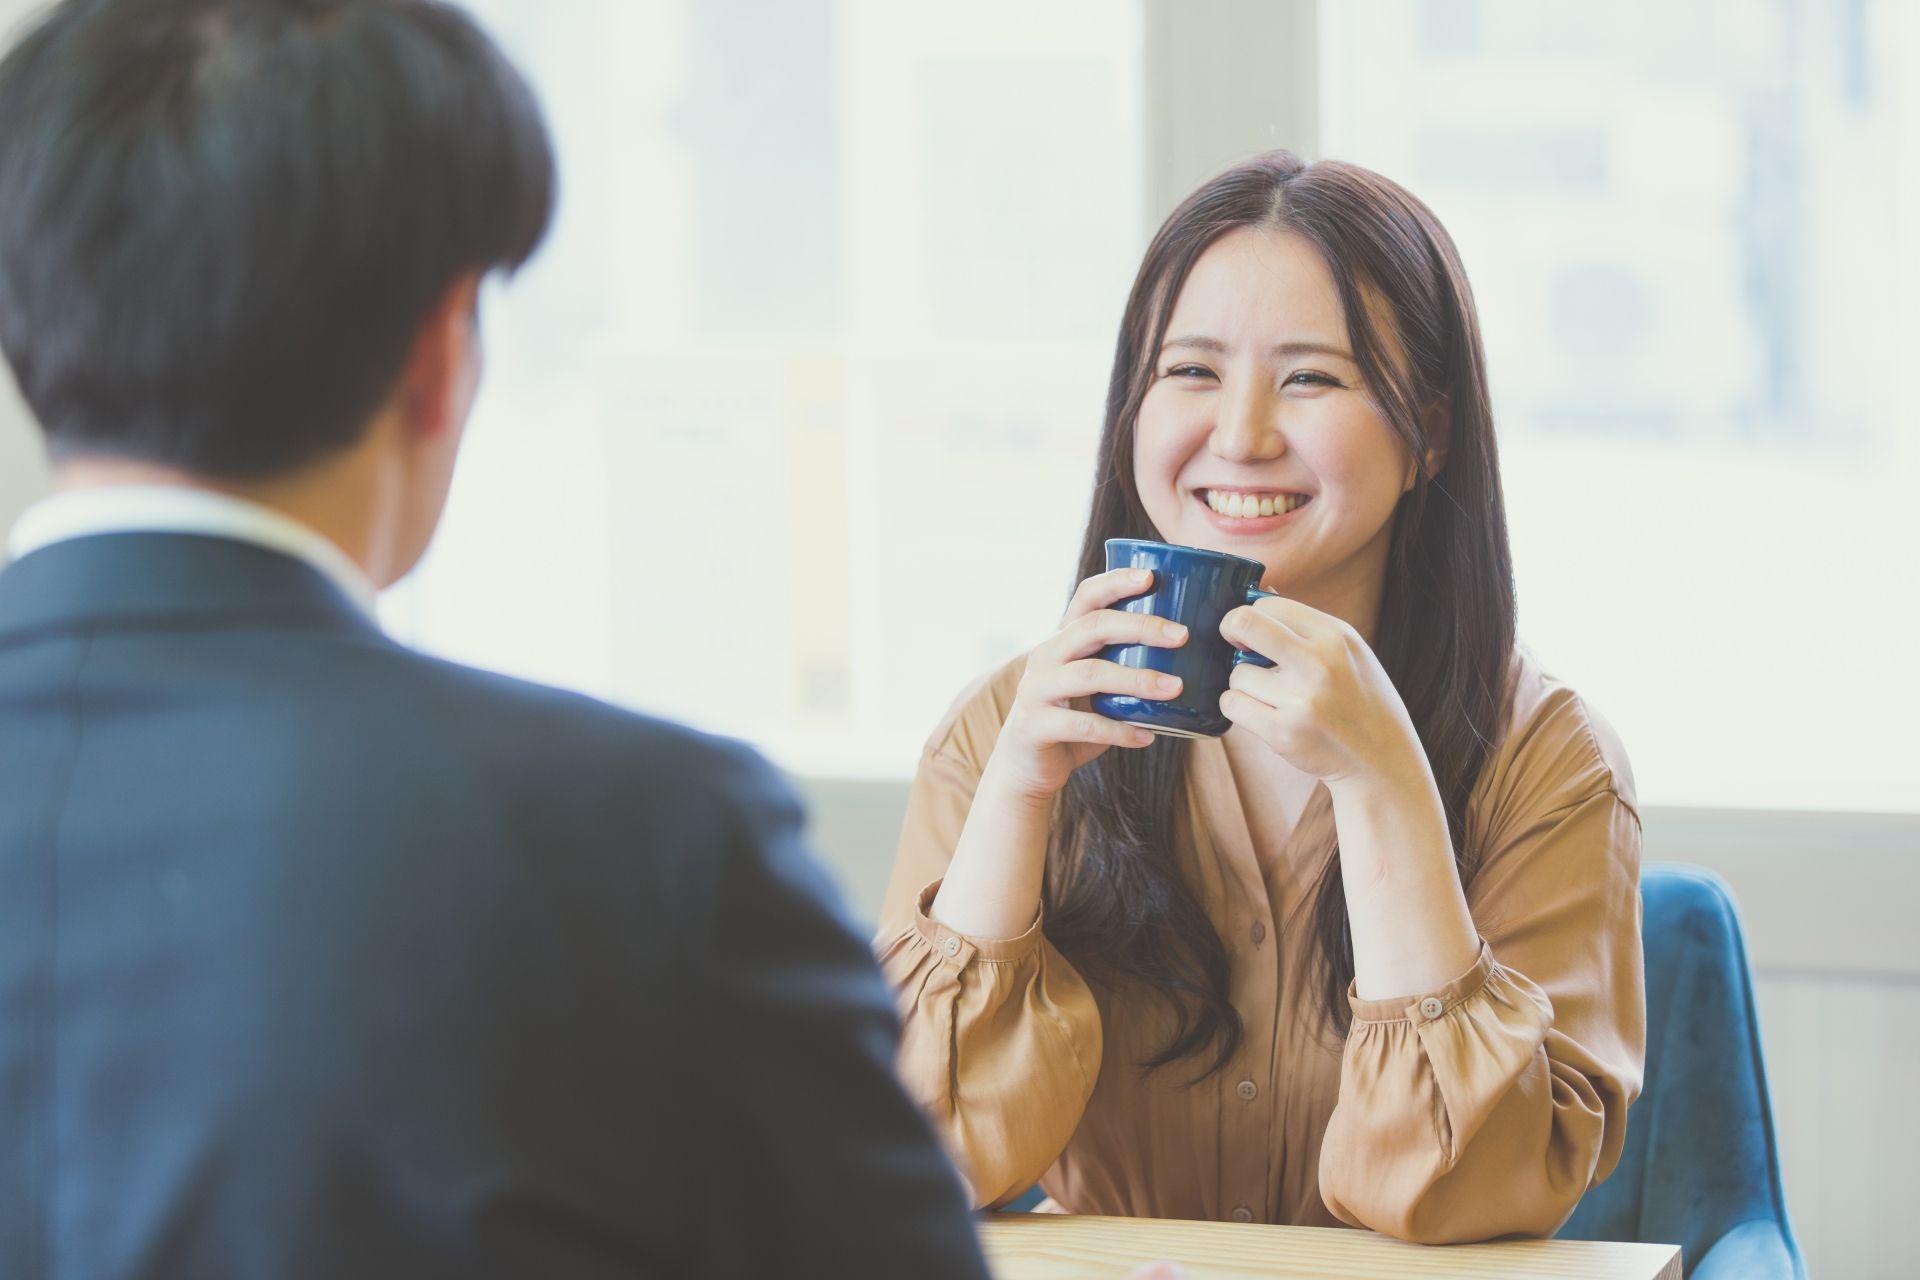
{"points": [[1262, 633], [1088, 676], [1275, 686], [1111, 587], [1260, 718], [1302, 619], [1097, 630], [1067, 724], [1276, 693]]}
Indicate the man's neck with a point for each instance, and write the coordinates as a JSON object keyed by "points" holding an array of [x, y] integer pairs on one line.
{"points": [[339, 500]]}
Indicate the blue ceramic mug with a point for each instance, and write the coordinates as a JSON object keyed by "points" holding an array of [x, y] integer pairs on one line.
{"points": [[1197, 589]]}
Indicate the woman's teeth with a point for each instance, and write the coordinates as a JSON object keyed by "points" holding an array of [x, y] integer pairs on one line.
{"points": [[1248, 506]]}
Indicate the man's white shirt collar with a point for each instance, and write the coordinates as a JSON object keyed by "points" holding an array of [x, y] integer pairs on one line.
{"points": [[82, 513]]}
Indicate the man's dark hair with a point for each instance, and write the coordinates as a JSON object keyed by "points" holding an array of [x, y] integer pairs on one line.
{"points": [[222, 222]]}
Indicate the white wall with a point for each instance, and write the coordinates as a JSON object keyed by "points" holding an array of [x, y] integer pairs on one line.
{"points": [[23, 473], [1212, 101]]}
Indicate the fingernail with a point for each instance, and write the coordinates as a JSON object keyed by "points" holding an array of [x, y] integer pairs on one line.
{"points": [[1167, 684], [1173, 631], [1141, 575]]}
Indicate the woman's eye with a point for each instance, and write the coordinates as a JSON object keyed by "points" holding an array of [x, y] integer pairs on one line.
{"points": [[1188, 371], [1308, 378]]}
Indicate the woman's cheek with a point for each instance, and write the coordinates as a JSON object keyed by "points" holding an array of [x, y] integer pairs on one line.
{"points": [[1159, 452], [1355, 454]]}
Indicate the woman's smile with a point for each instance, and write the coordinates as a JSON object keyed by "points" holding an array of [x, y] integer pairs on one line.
{"points": [[1245, 512]]}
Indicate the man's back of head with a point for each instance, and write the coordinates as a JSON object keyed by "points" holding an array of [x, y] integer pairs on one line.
{"points": [[241, 244], [318, 956], [222, 222]]}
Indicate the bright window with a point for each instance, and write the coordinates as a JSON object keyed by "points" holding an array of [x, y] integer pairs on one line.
{"points": [[788, 431], [1691, 232]]}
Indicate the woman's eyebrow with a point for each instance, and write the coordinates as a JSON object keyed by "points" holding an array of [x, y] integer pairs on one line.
{"points": [[1196, 342], [1310, 349], [1203, 342]]}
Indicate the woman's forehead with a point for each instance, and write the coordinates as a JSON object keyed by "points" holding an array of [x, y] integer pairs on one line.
{"points": [[1271, 287], [1257, 283]]}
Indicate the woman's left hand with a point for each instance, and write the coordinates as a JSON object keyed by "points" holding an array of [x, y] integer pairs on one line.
{"points": [[1326, 705]]}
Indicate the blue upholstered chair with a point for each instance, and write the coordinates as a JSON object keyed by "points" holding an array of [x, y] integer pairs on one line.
{"points": [[1700, 1168]]}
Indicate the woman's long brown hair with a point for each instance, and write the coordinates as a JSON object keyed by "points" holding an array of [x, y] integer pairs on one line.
{"points": [[1118, 904]]}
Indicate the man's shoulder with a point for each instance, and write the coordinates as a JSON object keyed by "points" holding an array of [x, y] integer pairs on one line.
{"points": [[528, 737], [517, 698]]}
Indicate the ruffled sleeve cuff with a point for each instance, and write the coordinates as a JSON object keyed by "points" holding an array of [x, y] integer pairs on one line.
{"points": [[1000, 1043], [958, 949], [1412, 1008], [1473, 1037]]}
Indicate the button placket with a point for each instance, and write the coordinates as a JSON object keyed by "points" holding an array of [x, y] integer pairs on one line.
{"points": [[1246, 1117]]}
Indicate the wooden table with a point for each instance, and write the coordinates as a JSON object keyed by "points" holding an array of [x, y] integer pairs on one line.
{"points": [[1056, 1246]]}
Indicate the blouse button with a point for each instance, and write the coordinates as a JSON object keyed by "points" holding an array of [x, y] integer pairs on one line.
{"points": [[1243, 1214], [1246, 1089], [1432, 1007], [951, 946], [1259, 933]]}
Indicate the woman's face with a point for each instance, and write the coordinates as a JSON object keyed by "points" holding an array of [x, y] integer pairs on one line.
{"points": [[1257, 437]]}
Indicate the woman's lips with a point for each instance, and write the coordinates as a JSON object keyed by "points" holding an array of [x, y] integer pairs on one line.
{"points": [[1250, 511]]}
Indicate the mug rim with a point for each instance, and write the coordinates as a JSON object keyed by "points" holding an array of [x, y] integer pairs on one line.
{"points": [[1111, 543]]}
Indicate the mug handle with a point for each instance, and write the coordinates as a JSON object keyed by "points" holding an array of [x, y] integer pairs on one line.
{"points": [[1247, 655]]}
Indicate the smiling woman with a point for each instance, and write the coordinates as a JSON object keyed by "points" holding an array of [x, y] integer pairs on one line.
{"points": [[1373, 957], [1261, 384], [1238, 432]]}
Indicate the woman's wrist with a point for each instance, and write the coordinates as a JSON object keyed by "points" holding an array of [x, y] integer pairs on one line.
{"points": [[992, 886], [1392, 823], [1006, 785], [1408, 913], [1401, 776]]}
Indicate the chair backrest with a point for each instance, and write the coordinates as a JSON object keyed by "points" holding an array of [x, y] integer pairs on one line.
{"points": [[1700, 1158]]}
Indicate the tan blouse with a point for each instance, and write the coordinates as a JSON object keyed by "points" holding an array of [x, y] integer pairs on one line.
{"points": [[1484, 1108]]}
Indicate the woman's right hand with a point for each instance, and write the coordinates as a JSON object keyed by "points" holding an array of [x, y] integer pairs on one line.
{"points": [[1051, 730]]}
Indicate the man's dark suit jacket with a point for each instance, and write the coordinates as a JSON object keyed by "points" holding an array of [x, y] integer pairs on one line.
{"points": [[319, 957]]}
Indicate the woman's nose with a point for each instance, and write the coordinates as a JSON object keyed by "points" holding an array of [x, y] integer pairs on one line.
{"points": [[1248, 428]]}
